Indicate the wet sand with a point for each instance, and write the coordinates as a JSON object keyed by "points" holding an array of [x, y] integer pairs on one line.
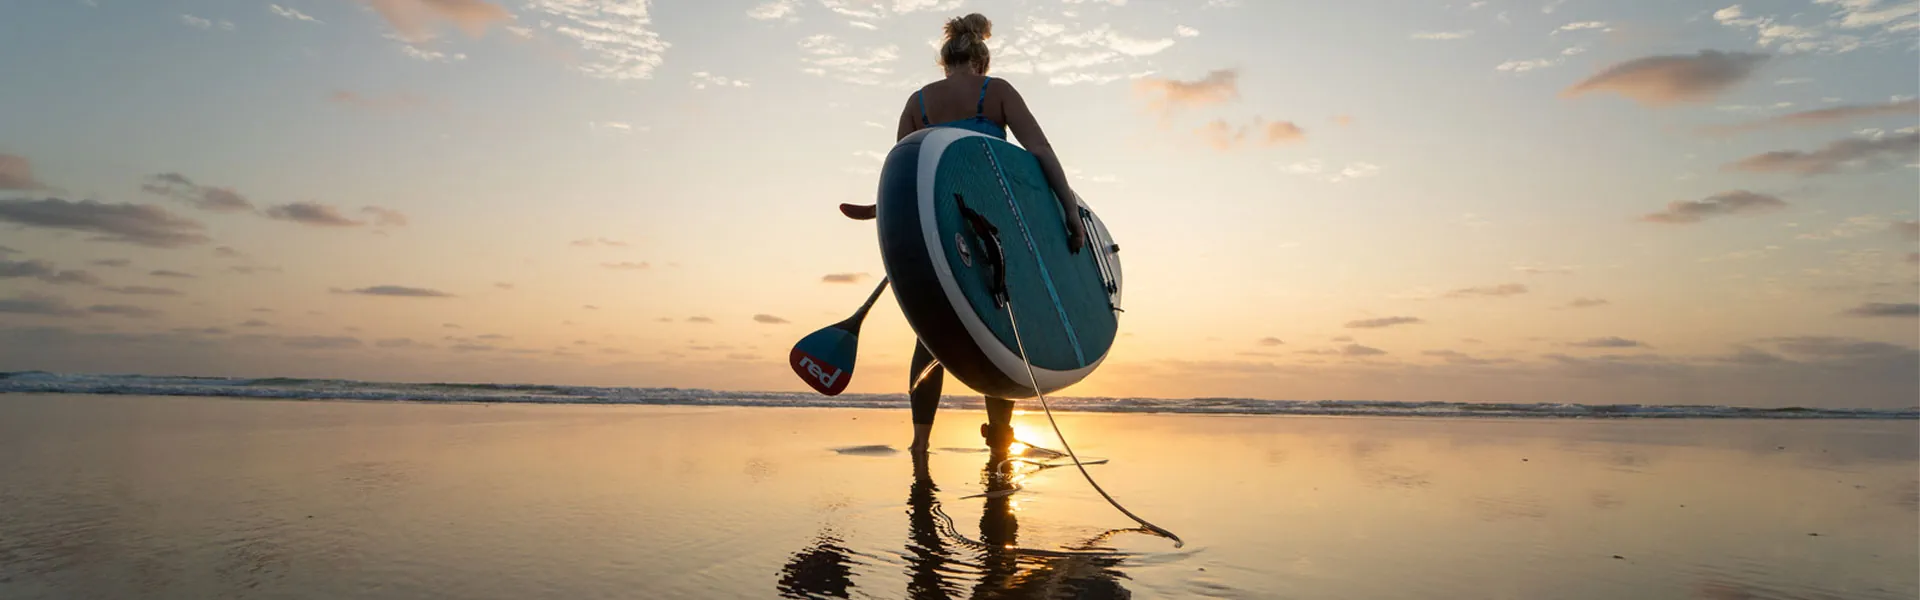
{"points": [[180, 497]]}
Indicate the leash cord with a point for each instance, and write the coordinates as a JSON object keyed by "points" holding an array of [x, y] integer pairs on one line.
{"points": [[1035, 380]]}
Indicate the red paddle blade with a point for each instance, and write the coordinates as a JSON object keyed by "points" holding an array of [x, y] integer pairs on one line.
{"points": [[825, 360]]}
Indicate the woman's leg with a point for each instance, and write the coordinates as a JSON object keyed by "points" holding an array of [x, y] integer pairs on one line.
{"points": [[923, 392], [999, 427]]}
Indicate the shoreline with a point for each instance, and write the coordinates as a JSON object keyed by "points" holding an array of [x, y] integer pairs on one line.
{"points": [[974, 404]]}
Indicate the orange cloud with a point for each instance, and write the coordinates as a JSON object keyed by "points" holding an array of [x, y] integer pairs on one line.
{"points": [[1856, 153], [414, 18], [17, 174], [1224, 136], [1672, 79], [1736, 202], [1166, 95], [1819, 117]]}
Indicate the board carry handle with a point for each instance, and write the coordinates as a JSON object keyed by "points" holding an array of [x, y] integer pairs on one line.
{"points": [[996, 258]]}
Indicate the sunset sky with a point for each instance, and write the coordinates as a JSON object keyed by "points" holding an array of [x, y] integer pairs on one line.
{"points": [[1539, 201]]}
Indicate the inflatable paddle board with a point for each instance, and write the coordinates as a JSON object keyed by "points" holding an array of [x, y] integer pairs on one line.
{"points": [[969, 227]]}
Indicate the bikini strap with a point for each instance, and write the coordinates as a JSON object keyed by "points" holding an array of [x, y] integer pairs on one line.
{"points": [[922, 95], [980, 110]]}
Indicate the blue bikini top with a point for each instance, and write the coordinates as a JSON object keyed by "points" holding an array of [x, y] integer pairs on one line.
{"points": [[978, 122]]}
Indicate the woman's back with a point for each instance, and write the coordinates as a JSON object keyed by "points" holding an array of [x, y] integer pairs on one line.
{"points": [[962, 100]]}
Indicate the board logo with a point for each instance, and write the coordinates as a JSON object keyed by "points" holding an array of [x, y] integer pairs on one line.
{"points": [[823, 377], [966, 251]]}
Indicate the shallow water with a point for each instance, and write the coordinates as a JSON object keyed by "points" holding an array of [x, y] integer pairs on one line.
{"points": [[181, 497]]}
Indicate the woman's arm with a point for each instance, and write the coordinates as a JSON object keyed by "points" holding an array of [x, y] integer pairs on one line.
{"points": [[907, 126], [1025, 127]]}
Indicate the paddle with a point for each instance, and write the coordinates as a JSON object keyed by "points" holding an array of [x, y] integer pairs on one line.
{"points": [[824, 359]]}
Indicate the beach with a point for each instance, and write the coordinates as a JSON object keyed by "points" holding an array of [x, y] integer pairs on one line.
{"points": [[130, 496]]}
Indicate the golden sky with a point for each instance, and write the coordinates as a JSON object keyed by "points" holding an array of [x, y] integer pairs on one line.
{"points": [[1543, 201]]}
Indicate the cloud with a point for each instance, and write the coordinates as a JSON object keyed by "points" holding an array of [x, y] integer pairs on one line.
{"points": [[1185, 31], [255, 323], [1822, 116], [177, 187], [124, 310], [1524, 65], [44, 271], [1167, 95], [616, 39], [1068, 54], [291, 14], [1883, 309], [141, 224], [414, 19], [312, 213], [385, 216], [5, 251], [1318, 169], [1847, 154], [142, 290], [503, 285], [1382, 322], [1442, 35], [699, 320], [703, 79], [1223, 136], [172, 274], [1853, 24], [769, 319], [1494, 291], [1544, 270], [17, 174], [591, 242], [1356, 350], [1462, 358], [203, 23], [1736, 202], [320, 342], [394, 343], [1671, 79], [827, 56], [110, 262], [30, 303], [844, 277], [1269, 341], [251, 269], [227, 252], [1584, 25], [626, 266], [1587, 302], [1608, 342], [397, 290], [777, 9], [1907, 230]]}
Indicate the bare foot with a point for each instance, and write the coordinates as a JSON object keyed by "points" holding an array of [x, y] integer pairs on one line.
{"points": [[859, 212]]}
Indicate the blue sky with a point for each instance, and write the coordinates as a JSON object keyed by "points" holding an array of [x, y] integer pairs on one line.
{"points": [[1513, 201]]}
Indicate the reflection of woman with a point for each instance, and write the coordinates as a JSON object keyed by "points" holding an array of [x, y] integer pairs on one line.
{"points": [[821, 570]]}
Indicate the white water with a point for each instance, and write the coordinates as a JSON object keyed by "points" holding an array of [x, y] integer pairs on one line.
{"points": [[338, 389]]}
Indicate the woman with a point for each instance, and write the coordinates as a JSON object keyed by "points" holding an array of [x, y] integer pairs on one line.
{"points": [[967, 98]]}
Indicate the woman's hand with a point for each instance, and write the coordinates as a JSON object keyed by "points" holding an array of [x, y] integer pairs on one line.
{"points": [[1076, 235]]}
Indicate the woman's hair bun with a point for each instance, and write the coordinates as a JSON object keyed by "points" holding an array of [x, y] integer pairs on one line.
{"points": [[966, 42], [975, 25]]}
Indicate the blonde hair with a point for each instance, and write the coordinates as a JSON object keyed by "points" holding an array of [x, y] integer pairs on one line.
{"points": [[967, 42]]}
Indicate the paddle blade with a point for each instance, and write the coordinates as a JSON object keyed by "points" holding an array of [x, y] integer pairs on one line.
{"points": [[825, 359]]}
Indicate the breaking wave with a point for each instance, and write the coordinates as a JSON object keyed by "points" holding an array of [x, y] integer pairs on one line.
{"points": [[342, 389]]}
